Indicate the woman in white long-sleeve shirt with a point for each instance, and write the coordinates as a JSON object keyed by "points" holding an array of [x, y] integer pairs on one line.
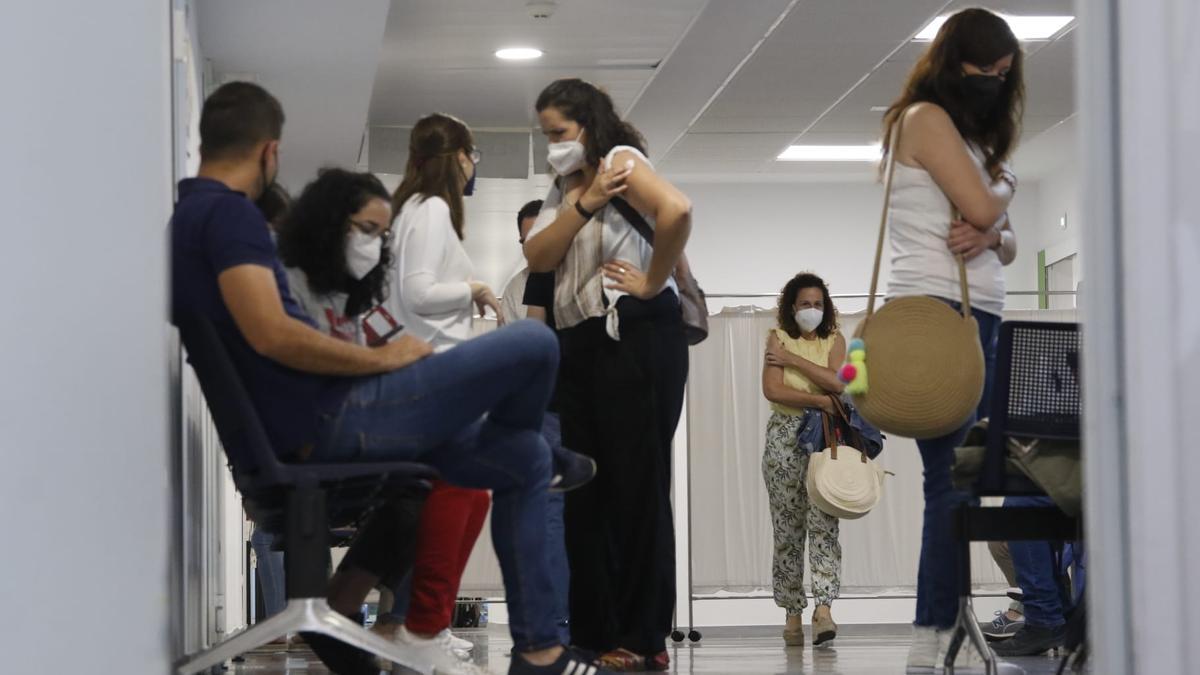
{"points": [[436, 292]]}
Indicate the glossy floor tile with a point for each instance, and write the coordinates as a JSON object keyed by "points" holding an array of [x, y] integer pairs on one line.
{"points": [[859, 650]]}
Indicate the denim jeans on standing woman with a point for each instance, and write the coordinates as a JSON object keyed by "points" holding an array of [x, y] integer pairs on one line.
{"points": [[475, 414], [270, 572], [556, 546], [937, 575]]}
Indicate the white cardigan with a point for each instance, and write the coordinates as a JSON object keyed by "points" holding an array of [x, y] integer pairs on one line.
{"points": [[431, 295]]}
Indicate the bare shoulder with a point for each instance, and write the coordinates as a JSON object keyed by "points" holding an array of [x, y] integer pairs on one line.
{"points": [[925, 125], [926, 117], [622, 158]]}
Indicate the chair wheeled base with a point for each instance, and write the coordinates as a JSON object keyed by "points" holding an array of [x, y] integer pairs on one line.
{"points": [[302, 615]]}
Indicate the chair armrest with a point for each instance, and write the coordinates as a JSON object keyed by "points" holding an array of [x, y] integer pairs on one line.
{"points": [[312, 473]]}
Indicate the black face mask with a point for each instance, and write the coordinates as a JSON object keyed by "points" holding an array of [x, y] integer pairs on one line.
{"points": [[469, 188], [982, 92]]}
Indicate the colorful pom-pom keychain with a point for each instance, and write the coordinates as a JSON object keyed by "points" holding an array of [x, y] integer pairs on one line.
{"points": [[854, 372]]}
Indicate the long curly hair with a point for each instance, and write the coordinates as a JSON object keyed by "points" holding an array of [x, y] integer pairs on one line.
{"points": [[979, 37], [433, 169], [313, 237], [593, 109], [787, 306]]}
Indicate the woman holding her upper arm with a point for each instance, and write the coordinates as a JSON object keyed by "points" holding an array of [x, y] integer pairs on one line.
{"points": [[804, 352], [624, 365], [957, 121]]}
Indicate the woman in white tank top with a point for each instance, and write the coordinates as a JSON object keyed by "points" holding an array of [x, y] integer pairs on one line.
{"points": [[961, 115]]}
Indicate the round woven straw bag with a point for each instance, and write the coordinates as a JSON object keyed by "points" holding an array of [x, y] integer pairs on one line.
{"points": [[924, 358], [843, 481]]}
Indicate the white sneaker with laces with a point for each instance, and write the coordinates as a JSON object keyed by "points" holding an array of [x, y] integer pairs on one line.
{"points": [[458, 643], [440, 651]]}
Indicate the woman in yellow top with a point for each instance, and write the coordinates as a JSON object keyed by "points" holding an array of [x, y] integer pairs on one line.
{"points": [[800, 371]]}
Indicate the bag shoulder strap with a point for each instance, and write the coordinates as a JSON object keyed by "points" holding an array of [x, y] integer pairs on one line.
{"points": [[830, 437], [843, 416], [964, 287], [634, 218]]}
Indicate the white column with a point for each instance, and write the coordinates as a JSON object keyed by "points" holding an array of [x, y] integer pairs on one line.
{"points": [[1139, 75], [85, 397]]}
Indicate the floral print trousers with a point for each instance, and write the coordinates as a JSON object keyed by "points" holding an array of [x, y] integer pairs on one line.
{"points": [[795, 519]]}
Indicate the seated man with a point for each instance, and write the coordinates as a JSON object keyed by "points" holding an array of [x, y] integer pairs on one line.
{"points": [[1033, 563], [474, 412]]}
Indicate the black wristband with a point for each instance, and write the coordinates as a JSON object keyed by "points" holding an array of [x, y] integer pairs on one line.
{"points": [[587, 215]]}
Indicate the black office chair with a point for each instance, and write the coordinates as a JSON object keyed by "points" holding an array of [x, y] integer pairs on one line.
{"points": [[299, 502], [1036, 395]]}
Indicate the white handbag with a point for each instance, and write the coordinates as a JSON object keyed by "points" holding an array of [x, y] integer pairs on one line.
{"points": [[843, 481]]}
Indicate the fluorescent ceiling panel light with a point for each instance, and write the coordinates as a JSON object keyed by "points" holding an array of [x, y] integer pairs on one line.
{"points": [[1024, 27], [518, 53], [831, 153]]}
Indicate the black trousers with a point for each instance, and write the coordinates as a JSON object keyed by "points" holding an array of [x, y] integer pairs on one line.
{"points": [[386, 542], [620, 402]]}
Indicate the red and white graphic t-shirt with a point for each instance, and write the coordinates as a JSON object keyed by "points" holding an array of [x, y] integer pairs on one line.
{"points": [[328, 311]]}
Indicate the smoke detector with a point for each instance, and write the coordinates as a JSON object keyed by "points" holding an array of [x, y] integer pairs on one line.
{"points": [[541, 10]]}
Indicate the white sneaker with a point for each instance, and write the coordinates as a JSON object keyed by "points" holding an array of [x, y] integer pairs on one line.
{"points": [[968, 660], [458, 643], [967, 656], [923, 652], [439, 651]]}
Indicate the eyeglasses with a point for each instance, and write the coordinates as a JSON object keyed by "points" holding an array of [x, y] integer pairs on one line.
{"points": [[371, 229], [475, 156]]}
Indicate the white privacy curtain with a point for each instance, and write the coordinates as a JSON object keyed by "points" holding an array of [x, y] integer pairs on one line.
{"points": [[730, 521]]}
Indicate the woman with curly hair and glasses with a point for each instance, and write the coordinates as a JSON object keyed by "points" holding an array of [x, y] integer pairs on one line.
{"points": [[336, 248]]}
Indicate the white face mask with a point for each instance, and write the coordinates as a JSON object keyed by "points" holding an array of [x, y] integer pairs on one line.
{"points": [[567, 157], [809, 318], [362, 252]]}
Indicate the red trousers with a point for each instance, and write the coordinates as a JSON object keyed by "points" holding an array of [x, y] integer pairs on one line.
{"points": [[450, 525]]}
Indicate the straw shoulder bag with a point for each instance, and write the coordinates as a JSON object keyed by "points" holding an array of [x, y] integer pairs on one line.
{"points": [[842, 481], [924, 358]]}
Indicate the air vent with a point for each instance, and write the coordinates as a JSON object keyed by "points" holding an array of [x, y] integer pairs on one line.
{"points": [[541, 10]]}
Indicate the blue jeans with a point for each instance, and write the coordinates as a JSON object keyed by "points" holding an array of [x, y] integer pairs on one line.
{"points": [[270, 572], [556, 547], [1034, 564], [475, 414], [401, 595], [560, 572], [937, 574]]}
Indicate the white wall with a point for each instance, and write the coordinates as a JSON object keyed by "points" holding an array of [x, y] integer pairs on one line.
{"points": [[490, 231], [1142, 159], [1055, 155], [752, 237], [85, 177]]}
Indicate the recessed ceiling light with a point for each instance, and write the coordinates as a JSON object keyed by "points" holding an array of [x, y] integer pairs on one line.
{"points": [[518, 53], [1024, 27], [879, 108], [831, 153]]}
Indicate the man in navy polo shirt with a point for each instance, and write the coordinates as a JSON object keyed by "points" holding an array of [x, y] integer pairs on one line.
{"points": [[474, 412]]}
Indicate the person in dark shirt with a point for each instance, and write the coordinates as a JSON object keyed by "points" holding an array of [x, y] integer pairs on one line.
{"points": [[474, 412]]}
